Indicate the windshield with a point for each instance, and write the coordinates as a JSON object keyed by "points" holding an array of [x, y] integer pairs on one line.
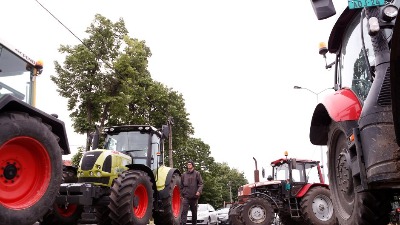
{"points": [[135, 144], [282, 172], [14, 77]]}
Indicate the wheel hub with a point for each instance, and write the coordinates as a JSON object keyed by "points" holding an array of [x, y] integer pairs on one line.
{"points": [[257, 214], [10, 171], [344, 174], [322, 207]]}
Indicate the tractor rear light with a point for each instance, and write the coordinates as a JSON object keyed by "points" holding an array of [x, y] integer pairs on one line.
{"points": [[398, 210], [389, 13]]}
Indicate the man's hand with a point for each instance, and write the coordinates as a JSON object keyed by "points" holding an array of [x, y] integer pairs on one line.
{"points": [[197, 194]]}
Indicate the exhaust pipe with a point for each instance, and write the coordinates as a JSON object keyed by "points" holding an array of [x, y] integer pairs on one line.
{"points": [[256, 172]]}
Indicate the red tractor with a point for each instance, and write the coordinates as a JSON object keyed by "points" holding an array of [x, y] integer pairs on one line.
{"points": [[31, 143], [360, 121], [290, 193]]}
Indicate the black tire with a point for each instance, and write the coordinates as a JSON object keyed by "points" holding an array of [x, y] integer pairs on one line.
{"points": [[30, 168], [317, 207], [171, 205], [63, 216], [130, 188], [257, 211], [351, 208], [103, 215], [234, 215]]}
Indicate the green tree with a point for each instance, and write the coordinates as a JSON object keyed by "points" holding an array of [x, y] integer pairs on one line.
{"points": [[106, 82], [76, 158]]}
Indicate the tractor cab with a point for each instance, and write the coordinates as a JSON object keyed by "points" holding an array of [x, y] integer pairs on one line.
{"points": [[18, 73], [296, 173], [143, 143]]}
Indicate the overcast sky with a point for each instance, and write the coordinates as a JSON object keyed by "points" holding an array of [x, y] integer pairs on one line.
{"points": [[235, 62]]}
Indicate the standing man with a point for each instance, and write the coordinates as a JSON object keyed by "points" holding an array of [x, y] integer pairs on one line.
{"points": [[192, 186]]}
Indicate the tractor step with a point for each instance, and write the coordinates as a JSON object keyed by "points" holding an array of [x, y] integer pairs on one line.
{"points": [[294, 207]]}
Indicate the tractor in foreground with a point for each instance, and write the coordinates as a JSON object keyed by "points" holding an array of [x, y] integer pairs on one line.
{"points": [[360, 121], [290, 193], [124, 183], [31, 142]]}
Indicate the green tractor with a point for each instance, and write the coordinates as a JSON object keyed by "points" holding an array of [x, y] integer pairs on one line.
{"points": [[124, 183]]}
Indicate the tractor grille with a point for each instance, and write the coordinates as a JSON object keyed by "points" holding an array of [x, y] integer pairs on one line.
{"points": [[88, 160], [384, 98], [102, 180], [107, 164]]}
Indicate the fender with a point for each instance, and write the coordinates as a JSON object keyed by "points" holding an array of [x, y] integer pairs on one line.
{"points": [[307, 187], [145, 169], [164, 176], [341, 106], [10, 103]]}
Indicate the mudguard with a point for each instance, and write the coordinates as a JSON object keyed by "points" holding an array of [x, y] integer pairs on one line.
{"points": [[343, 105], [11, 103], [307, 187], [163, 177]]}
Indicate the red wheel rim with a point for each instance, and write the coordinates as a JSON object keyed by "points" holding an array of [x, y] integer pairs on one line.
{"points": [[25, 172], [66, 212], [142, 201], [176, 201]]}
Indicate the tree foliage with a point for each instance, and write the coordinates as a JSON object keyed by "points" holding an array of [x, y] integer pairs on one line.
{"points": [[107, 83], [76, 158]]}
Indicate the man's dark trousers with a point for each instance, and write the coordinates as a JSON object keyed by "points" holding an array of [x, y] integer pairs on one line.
{"points": [[192, 204]]}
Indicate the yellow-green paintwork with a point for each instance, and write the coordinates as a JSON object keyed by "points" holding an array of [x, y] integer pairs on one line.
{"points": [[118, 165], [161, 177]]}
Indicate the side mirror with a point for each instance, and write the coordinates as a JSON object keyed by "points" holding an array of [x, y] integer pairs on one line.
{"points": [[323, 8], [263, 172]]}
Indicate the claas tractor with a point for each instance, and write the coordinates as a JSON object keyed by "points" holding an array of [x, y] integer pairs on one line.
{"points": [[124, 183], [360, 121], [31, 143], [289, 193]]}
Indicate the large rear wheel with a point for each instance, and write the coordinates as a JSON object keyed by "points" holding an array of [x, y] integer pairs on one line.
{"points": [[352, 208], [131, 198], [257, 211], [30, 168], [171, 204], [317, 207]]}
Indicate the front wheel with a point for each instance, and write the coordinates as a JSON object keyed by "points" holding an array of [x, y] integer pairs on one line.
{"points": [[317, 207], [257, 211], [131, 199], [171, 204], [351, 207], [30, 168]]}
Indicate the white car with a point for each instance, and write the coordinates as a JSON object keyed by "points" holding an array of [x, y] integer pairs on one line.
{"points": [[206, 214]]}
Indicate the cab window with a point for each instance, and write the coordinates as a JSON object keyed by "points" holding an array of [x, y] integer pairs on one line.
{"points": [[353, 65]]}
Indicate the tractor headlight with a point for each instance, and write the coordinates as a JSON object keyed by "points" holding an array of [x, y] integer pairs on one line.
{"points": [[91, 173], [389, 13], [98, 174]]}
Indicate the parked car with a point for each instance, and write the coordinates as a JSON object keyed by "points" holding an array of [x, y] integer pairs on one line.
{"points": [[222, 215], [206, 214]]}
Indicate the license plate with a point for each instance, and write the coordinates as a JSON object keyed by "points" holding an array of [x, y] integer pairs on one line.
{"points": [[355, 4]]}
